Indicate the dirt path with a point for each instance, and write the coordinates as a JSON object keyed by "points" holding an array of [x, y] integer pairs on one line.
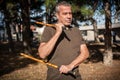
{"points": [[89, 71], [98, 71]]}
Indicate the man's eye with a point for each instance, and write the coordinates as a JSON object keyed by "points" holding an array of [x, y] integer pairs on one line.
{"points": [[65, 13], [70, 13]]}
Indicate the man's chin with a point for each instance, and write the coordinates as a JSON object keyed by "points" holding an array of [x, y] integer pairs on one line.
{"points": [[67, 24]]}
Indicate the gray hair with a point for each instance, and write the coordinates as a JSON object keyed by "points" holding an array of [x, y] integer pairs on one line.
{"points": [[63, 3]]}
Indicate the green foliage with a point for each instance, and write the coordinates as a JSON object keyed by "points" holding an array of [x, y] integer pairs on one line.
{"points": [[10, 5], [10, 8], [102, 11], [49, 3], [86, 10], [75, 8]]}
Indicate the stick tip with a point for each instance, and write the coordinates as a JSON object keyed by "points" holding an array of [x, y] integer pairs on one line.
{"points": [[21, 53]]}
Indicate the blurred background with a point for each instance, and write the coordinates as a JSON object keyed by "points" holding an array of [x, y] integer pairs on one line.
{"points": [[98, 20]]}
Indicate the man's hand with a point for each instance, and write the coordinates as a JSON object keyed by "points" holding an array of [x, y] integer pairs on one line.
{"points": [[66, 68], [58, 27]]}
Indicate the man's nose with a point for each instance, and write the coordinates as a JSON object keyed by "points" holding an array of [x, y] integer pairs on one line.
{"points": [[68, 15]]}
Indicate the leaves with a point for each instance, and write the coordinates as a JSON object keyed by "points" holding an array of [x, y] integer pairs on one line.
{"points": [[50, 3], [86, 10]]}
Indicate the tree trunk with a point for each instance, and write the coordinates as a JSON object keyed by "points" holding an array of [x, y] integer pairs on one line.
{"points": [[25, 5], [10, 43], [7, 22], [95, 30], [17, 32], [108, 56]]}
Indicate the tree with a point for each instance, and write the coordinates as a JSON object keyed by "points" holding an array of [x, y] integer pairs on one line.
{"points": [[7, 6], [88, 12], [50, 4], [25, 7], [108, 56]]}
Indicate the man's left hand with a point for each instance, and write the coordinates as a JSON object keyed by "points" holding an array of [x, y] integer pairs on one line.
{"points": [[65, 68]]}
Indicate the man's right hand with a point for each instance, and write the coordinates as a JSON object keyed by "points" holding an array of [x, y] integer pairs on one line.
{"points": [[59, 27]]}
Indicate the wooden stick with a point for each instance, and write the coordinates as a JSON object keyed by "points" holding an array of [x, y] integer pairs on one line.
{"points": [[49, 25], [41, 61], [38, 60]]}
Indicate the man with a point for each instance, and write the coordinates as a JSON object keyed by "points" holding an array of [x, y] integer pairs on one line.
{"points": [[63, 47]]}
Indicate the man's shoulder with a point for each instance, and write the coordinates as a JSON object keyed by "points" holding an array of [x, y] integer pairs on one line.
{"points": [[49, 28], [76, 28]]}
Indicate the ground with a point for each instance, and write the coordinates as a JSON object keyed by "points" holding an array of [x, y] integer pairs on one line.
{"points": [[13, 66]]}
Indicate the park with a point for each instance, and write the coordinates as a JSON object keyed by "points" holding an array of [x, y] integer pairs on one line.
{"points": [[98, 21]]}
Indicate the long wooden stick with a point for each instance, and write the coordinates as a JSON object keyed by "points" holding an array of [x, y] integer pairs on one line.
{"points": [[41, 61], [38, 60], [48, 25]]}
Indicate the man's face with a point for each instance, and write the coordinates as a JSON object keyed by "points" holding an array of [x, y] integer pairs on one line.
{"points": [[64, 15]]}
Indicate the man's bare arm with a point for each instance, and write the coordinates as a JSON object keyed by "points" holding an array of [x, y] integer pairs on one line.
{"points": [[84, 54], [46, 48]]}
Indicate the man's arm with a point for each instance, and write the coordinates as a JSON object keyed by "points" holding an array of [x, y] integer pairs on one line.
{"points": [[46, 48], [84, 54]]}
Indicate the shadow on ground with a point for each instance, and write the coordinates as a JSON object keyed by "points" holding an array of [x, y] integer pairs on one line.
{"points": [[10, 62]]}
